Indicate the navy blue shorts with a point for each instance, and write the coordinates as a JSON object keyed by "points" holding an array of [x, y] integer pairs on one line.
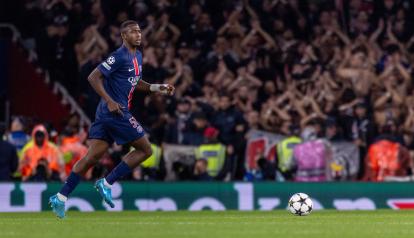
{"points": [[121, 129]]}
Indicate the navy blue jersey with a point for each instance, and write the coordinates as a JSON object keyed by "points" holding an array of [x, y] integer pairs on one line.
{"points": [[122, 71]]}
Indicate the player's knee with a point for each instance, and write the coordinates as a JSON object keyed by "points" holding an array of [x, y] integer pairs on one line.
{"points": [[144, 148], [147, 151]]}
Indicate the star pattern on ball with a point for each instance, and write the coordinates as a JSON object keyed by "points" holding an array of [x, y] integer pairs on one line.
{"points": [[300, 204]]}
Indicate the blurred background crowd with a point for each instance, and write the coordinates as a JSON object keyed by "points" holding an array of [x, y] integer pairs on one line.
{"points": [[327, 70]]}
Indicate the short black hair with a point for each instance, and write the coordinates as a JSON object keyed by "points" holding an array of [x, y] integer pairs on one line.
{"points": [[128, 23]]}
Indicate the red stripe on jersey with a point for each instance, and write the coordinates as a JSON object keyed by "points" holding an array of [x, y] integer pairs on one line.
{"points": [[136, 66], [131, 92]]}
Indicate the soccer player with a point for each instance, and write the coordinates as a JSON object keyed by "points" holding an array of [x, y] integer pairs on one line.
{"points": [[122, 73]]}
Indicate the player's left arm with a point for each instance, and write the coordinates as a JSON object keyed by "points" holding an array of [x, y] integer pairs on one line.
{"points": [[166, 89]]}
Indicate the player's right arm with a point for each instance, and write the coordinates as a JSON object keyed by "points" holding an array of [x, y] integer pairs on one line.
{"points": [[96, 81]]}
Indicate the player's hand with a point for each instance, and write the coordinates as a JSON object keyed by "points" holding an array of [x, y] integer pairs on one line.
{"points": [[115, 108], [167, 89]]}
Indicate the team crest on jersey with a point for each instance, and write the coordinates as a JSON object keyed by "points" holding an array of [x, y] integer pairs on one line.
{"points": [[111, 60], [133, 80]]}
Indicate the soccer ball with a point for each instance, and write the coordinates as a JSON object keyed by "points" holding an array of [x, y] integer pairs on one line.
{"points": [[300, 204]]}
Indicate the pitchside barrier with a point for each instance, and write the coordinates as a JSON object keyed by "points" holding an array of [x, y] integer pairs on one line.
{"points": [[341, 159], [146, 196]]}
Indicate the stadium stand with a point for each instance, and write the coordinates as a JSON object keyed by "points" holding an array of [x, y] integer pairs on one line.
{"points": [[337, 74]]}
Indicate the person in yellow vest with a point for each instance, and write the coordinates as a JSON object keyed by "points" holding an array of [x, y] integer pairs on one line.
{"points": [[153, 167], [285, 161], [214, 155]]}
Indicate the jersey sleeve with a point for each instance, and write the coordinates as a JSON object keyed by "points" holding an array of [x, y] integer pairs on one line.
{"points": [[110, 65]]}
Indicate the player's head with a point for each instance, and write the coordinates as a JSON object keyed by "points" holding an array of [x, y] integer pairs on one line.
{"points": [[131, 33]]}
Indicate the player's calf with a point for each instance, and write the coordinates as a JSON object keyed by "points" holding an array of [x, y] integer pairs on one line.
{"points": [[83, 165], [137, 156], [130, 161]]}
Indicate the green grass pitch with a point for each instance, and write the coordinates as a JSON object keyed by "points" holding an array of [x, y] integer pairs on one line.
{"points": [[228, 224]]}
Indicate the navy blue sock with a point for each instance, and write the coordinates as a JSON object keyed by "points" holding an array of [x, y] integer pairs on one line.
{"points": [[119, 171], [70, 184]]}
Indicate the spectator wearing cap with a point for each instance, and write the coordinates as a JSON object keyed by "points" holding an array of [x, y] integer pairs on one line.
{"points": [[41, 152], [8, 158], [214, 153]]}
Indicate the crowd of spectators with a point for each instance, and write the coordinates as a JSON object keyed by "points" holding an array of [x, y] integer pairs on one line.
{"points": [[341, 68]]}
